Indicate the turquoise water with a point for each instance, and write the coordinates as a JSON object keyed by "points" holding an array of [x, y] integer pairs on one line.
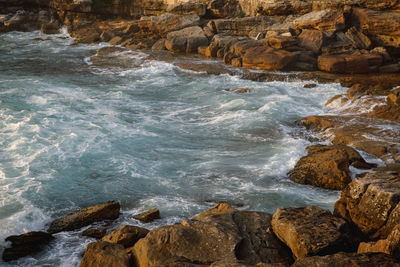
{"points": [[146, 133]]}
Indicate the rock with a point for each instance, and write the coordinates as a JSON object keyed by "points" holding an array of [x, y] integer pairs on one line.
{"points": [[106, 36], [224, 8], [78, 219], [267, 58], [116, 40], [148, 216], [248, 26], [390, 245], [391, 110], [348, 259], [241, 47], [187, 40], [184, 8], [127, 235], [358, 39], [392, 68], [159, 45], [237, 62], [222, 235], [326, 166], [105, 254], [25, 244], [324, 20], [312, 40], [280, 42], [372, 203], [350, 63], [94, 233], [276, 7], [52, 27], [238, 90], [167, 22], [310, 85], [211, 50], [311, 231]]}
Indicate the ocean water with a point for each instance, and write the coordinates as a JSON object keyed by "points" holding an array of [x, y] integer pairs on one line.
{"points": [[75, 132]]}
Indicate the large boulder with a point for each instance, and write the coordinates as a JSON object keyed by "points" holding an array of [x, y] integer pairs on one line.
{"points": [[267, 58], [311, 231], [324, 20], [127, 235], [372, 203], [222, 234], [327, 166], [78, 219], [390, 245], [26, 244], [105, 254], [187, 40]]}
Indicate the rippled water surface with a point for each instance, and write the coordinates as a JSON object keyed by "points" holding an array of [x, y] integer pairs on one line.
{"points": [[146, 133]]}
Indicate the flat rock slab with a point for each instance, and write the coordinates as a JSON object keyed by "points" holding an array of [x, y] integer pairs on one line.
{"points": [[127, 235], [84, 217], [105, 254], [310, 231], [148, 216]]}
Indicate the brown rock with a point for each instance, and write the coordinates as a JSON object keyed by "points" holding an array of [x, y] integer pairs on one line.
{"points": [[25, 244], [310, 85], [391, 110], [116, 40], [348, 259], [52, 27], [311, 231], [236, 62], [238, 90], [324, 20], [391, 68], [183, 8], [247, 26], [167, 23], [159, 45], [211, 50], [105, 254], [326, 166], [280, 42], [312, 40], [187, 40], [148, 216], [224, 8], [78, 219], [127, 235], [267, 58], [94, 233], [358, 39], [279, 7], [222, 235], [390, 245]]}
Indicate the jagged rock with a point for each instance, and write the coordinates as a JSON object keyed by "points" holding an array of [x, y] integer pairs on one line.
{"points": [[25, 244], [105, 254], [222, 235], [78, 219], [327, 166], [94, 233], [188, 8], [324, 20], [358, 39], [311, 231], [312, 40], [186, 40], [391, 110], [267, 58], [348, 259], [148, 216], [372, 203], [390, 245], [127, 235]]}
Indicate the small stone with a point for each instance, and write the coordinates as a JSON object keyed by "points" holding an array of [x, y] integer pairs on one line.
{"points": [[127, 235], [310, 85], [148, 216]]}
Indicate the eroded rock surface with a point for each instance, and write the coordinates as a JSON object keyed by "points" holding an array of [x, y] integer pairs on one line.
{"points": [[127, 235], [105, 254]]}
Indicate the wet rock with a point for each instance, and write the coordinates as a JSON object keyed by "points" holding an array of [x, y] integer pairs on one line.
{"points": [[188, 8], [390, 245], [25, 244], [148, 216], [222, 235], [327, 166], [78, 219], [391, 110], [187, 40], [310, 85], [372, 203], [239, 90], [312, 40], [94, 233], [127, 235], [311, 231], [267, 58], [324, 20], [348, 259], [105, 254]]}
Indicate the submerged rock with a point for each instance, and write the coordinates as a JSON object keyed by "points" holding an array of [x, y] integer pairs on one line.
{"points": [[127, 235], [105, 254], [148, 216], [78, 219]]}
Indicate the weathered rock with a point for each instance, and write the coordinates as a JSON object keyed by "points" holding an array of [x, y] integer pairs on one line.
{"points": [[183, 8], [167, 22], [224, 8], [239, 90], [148, 216], [370, 203], [78, 219], [282, 42], [159, 45], [25, 244], [127, 235], [311, 231], [220, 235], [392, 68], [391, 110], [312, 40], [358, 39], [94, 233], [324, 20], [186, 40], [267, 58], [276, 7], [327, 166], [52, 27], [248, 26], [348, 259], [390, 245], [310, 85], [105, 254]]}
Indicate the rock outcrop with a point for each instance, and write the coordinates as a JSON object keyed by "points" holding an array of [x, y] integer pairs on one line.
{"points": [[105, 254], [127, 235], [187, 40], [390, 245]]}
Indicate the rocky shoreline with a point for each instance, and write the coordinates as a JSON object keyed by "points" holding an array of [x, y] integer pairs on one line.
{"points": [[356, 43]]}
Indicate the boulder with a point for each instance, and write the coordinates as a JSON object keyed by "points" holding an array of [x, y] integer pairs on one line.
{"points": [[267, 58], [282, 42], [187, 40], [348, 259], [391, 110], [224, 8], [148, 216], [78, 219], [324, 20], [127, 235], [248, 26], [390, 245], [94, 233], [167, 22], [312, 40], [25, 244], [358, 39], [222, 235], [372, 203], [184, 8], [52, 27], [311, 231], [105, 254], [327, 166]]}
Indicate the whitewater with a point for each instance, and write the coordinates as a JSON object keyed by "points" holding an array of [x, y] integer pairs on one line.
{"points": [[76, 132]]}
